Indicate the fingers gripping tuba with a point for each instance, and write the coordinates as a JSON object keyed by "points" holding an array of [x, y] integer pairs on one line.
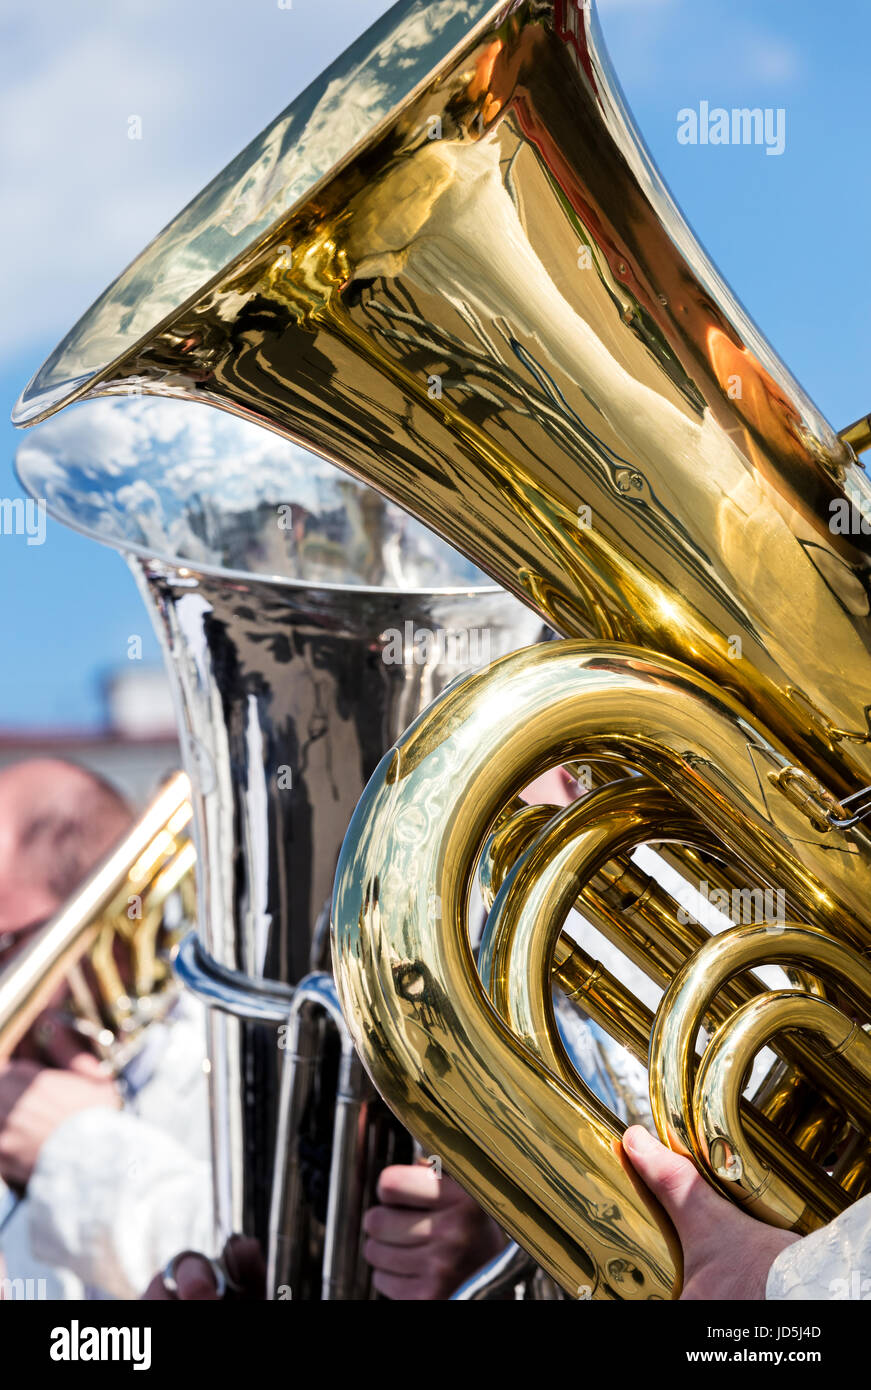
{"points": [[491, 309]]}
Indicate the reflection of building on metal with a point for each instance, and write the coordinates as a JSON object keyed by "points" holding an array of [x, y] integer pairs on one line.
{"points": [[133, 747]]}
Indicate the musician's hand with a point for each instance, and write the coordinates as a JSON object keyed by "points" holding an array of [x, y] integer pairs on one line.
{"points": [[34, 1100], [427, 1236], [727, 1254], [195, 1280]]}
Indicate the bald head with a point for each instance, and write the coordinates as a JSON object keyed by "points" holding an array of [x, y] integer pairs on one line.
{"points": [[57, 821]]}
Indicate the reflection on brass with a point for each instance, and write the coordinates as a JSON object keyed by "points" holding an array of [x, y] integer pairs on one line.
{"points": [[699, 1114], [487, 305], [858, 435], [522, 1112]]}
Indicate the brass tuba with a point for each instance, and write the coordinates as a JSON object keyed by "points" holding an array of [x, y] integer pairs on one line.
{"points": [[490, 308]]}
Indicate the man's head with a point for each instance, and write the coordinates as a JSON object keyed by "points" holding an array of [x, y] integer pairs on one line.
{"points": [[57, 821]]}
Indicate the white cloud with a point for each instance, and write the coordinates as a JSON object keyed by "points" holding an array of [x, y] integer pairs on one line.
{"points": [[772, 60]]}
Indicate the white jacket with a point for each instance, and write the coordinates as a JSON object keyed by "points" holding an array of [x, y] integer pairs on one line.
{"points": [[116, 1193], [833, 1263]]}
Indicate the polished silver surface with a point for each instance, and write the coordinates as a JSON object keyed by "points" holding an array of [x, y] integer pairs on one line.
{"points": [[197, 489], [498, 1279], [226, 990], [305, 623]]}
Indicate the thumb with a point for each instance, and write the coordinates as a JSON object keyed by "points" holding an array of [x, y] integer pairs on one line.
{"points": [[690, 1202]]}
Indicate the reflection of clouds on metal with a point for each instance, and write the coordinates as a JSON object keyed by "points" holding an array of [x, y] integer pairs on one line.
{"points": [[204, 490]]}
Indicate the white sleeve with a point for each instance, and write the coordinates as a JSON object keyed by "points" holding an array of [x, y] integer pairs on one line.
{"points": [[832, 1263], [112, 1198]]}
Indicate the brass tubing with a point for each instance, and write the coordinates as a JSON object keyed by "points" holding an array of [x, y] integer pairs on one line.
{"points": [[518, 953], [629, 907], [504, 1123], [722, 1137], [696, 865], [571, 845], [796, 1103], [822, 1130], [674, 942], [623, 900], [797, 1107], [782, 1096], [105, 968], [854, 1170], [143, 941], [672, 1048], [646, 929], [589, 984], [858, 435], [516, 827]]}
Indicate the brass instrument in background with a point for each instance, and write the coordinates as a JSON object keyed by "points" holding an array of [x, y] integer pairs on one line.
{"points": [[111, 942], [111, 945], [490, 308]]}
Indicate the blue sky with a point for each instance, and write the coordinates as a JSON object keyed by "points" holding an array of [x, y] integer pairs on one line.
{"points": [[80, 200]]}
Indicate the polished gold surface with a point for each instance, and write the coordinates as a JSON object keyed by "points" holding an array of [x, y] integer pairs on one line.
{"points": [[404, 968], [723, 1071], [491, 309], [520, 948], [118, 907], [698, 1111], [858, 435], [542, 888]]}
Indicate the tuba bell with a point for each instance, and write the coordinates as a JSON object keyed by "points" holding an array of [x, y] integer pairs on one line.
{"points": [[490, 309]]}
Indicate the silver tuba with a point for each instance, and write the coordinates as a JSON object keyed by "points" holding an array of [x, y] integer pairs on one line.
{"points": [[305, 623]]}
